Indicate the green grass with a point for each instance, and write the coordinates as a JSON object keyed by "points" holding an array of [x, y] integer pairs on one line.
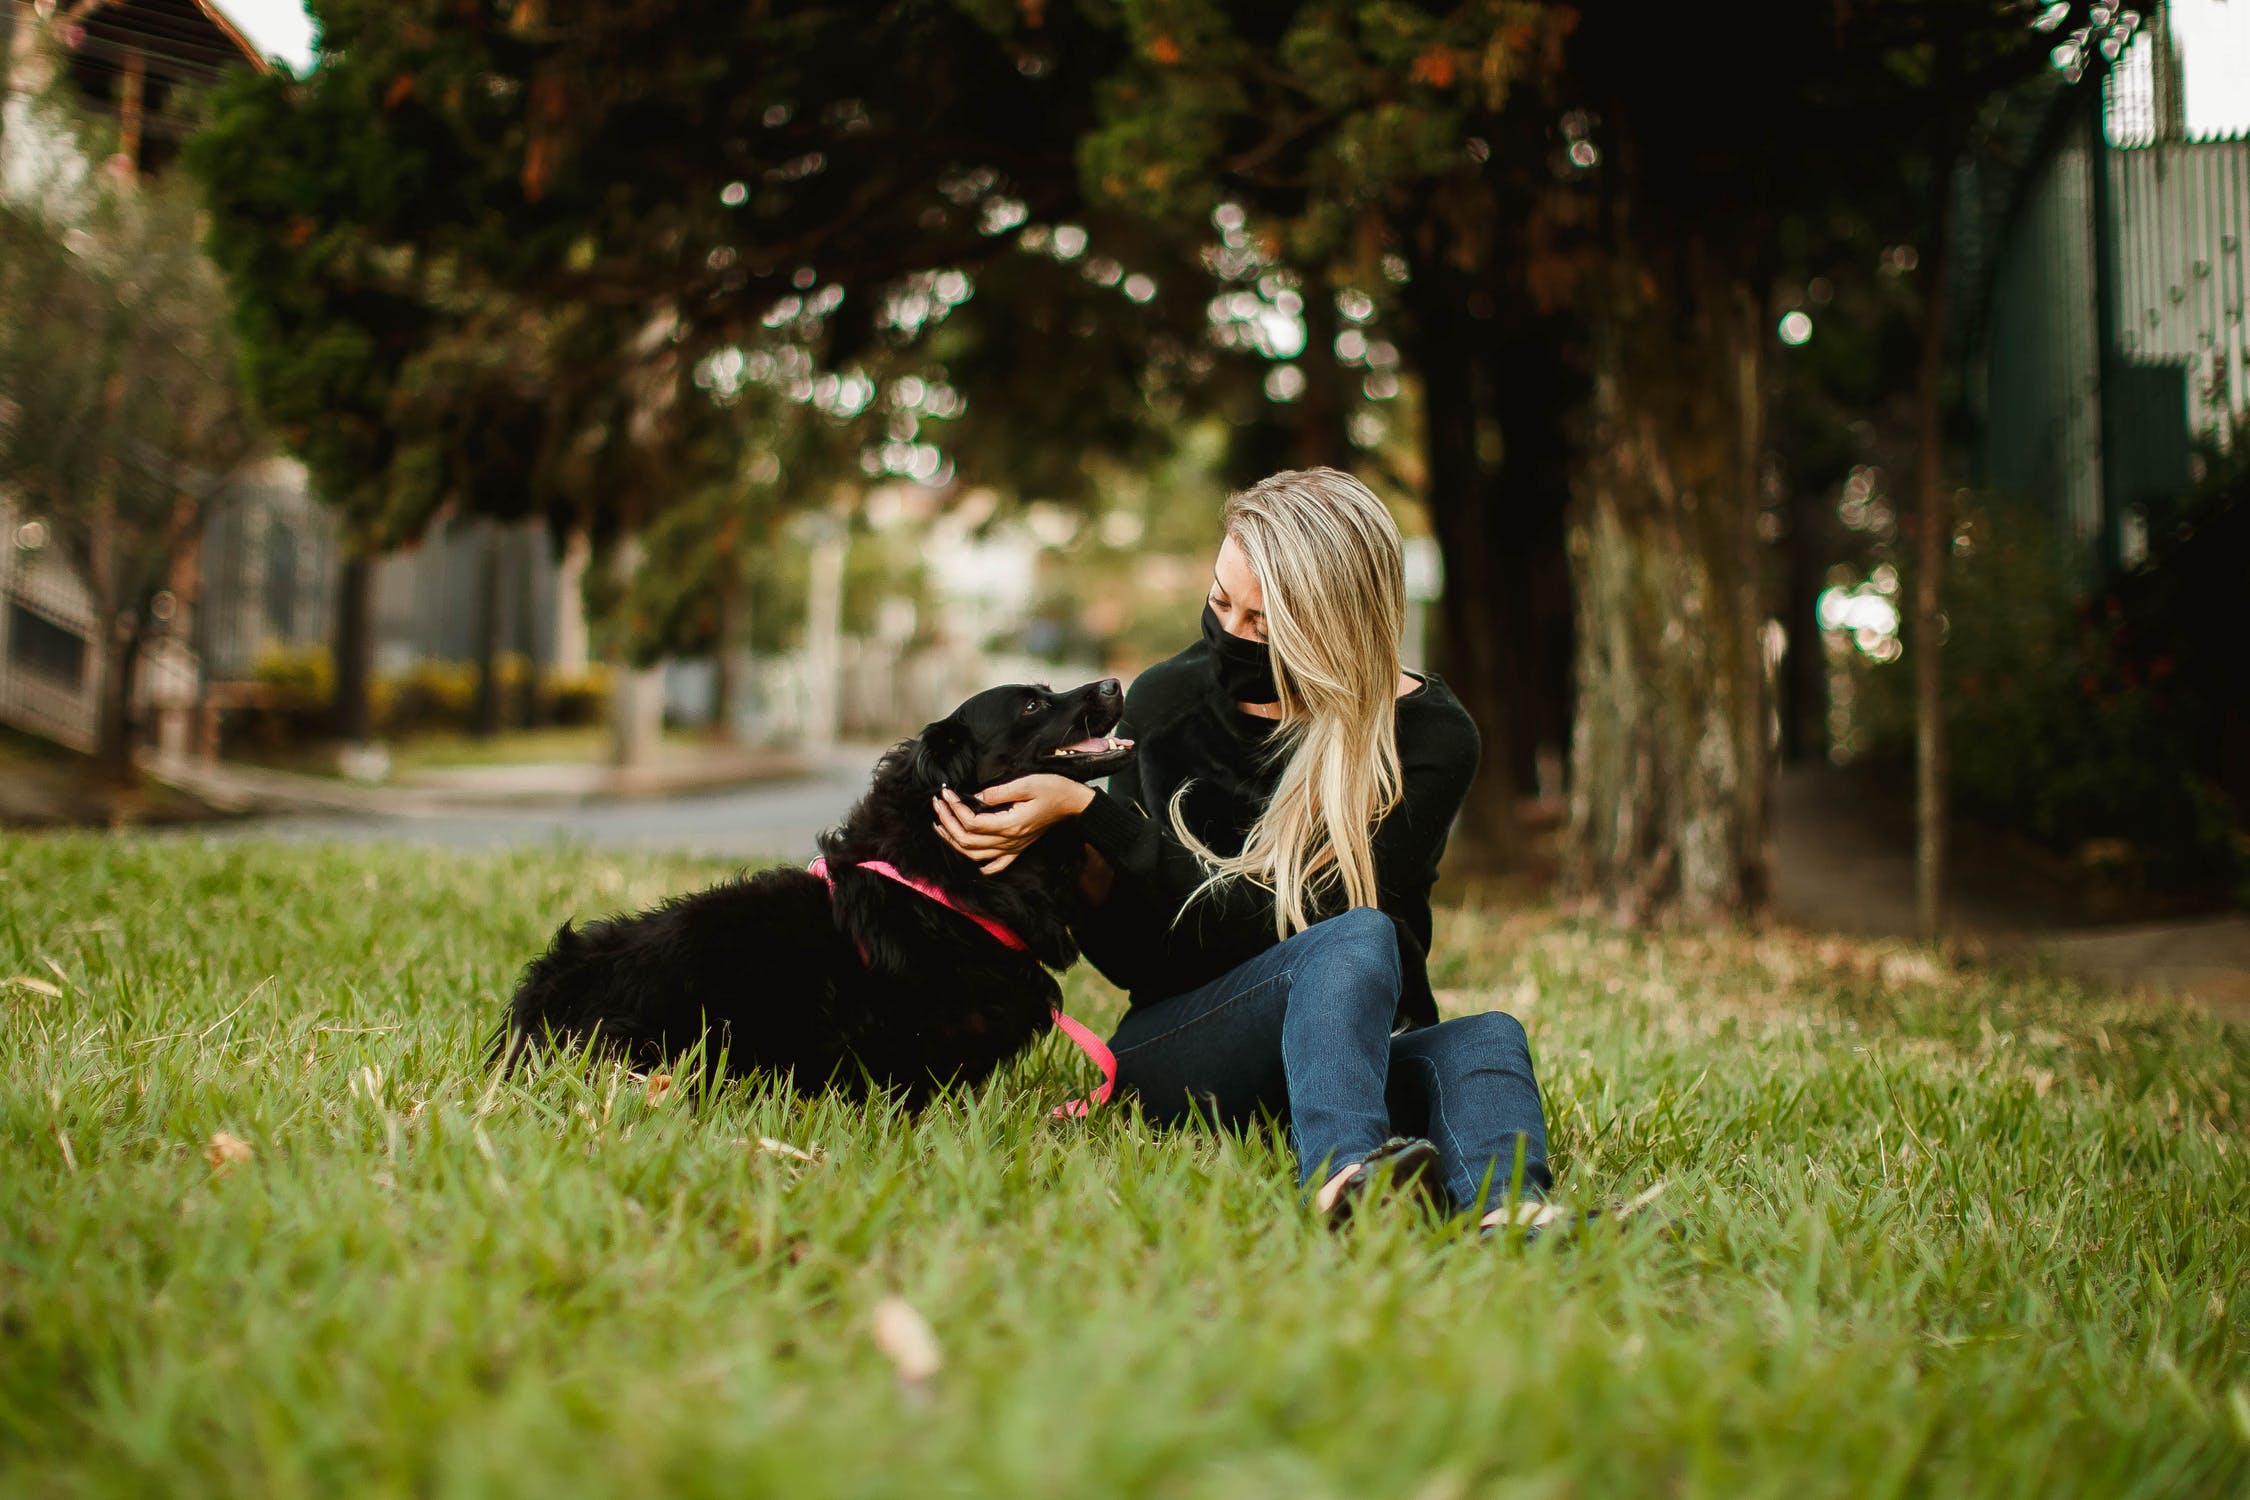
{"points": [[1943, 1232]]}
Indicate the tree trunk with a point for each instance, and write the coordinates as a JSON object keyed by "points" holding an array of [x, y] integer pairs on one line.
{"points": [[531, 703], [7, 55], [1471, 626], [636, 703], [824, 634], [1934, 534], [1804, 667], [484, 717], [726, 667], [113, 741], [1670, 796], [113, 723], [1532, 395], [351, 721], [571, 653]]}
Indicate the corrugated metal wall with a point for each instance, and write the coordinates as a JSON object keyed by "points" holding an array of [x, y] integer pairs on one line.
{"points": [[2097, 434], [269, 571], [2183, 213]]}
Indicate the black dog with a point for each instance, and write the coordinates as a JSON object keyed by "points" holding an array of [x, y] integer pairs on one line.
{"points": [[872, 983]]}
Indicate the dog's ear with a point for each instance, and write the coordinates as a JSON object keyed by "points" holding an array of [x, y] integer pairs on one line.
{"points": [[944, 754]]}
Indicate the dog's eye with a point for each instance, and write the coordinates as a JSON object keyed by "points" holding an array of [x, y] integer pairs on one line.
{"points": [[1032, 706]]}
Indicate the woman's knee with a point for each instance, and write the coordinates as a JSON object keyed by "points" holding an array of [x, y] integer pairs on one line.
{"points": [[1497, 1031], [1359, 925], [1363, 932]]}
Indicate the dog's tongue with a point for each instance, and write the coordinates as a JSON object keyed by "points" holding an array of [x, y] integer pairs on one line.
{"points": [[1089, 747]]}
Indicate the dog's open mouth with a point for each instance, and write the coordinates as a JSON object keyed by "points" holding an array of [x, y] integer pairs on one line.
{"points": [[1096, 755], [1107, 744]]}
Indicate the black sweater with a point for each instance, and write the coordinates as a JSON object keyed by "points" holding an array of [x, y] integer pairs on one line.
{"points": [[1187, 729]]}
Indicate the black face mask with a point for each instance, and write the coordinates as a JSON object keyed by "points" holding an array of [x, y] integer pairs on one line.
{"points": [[1245, 668]]}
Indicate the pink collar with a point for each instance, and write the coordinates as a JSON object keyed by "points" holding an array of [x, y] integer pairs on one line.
{"points": [[999, 931], [1085, 1040]]}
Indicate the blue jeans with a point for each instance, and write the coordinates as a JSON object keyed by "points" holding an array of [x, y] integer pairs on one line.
{"points": [[1303, 1031]]}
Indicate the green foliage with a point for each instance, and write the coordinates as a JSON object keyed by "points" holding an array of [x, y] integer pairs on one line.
{"points": [[1941, 1231], [301, 192], [2066, 717], [1339, 110], [468, 273]]}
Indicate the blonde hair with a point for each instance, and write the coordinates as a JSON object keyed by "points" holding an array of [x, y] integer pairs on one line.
{"points": [[1328, 559]]}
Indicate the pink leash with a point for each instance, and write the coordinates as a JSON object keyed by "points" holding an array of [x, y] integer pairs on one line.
{"points": [[1093, 1046]]}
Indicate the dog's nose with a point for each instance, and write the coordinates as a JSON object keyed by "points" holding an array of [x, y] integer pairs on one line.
{"points": [[1106, 688]]}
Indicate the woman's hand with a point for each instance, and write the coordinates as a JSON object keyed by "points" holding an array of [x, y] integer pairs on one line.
{"points": [[1022, 810]]}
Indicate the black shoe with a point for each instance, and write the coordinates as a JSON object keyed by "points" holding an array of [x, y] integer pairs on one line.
{"points": [[1401, 1164]]}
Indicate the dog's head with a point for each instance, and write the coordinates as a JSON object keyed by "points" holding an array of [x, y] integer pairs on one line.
{"points": [[999, 735], [1006, 732]]}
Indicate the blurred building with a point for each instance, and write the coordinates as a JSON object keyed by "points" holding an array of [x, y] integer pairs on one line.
{"points": [[2108, 262], [49, 670], [136, 62]]}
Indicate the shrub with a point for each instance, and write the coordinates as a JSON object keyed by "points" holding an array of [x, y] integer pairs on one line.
{"points": [[429, 696], [2068, 717], [577, 698], [299, 677], [297, 686]]}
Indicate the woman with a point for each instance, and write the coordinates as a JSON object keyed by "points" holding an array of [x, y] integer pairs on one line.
{"points": [[1260, 882]]}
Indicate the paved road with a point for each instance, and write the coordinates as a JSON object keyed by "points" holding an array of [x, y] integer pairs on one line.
{"points": [[776, 819]]}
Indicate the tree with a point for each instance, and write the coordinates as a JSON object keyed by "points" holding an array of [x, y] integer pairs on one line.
{"points": [[1582, 210], [409, 386], [118, 415], [1398, 155], [488, 171]]}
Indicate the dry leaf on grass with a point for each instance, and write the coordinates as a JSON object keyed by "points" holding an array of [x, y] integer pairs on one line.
{"points": [[659, 1084], [772, 1147], [226, 1151], [905, 1336], [1908, 968]]}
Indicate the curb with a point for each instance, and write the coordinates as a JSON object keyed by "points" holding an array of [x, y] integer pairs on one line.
{"points": [[231, 787]]}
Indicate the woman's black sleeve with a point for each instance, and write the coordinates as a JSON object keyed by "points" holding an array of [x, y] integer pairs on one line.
{"points": [[1121, 936]]}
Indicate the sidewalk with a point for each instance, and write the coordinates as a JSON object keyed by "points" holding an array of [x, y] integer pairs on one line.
{"points": [[676, 770], [1844, 862]]}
